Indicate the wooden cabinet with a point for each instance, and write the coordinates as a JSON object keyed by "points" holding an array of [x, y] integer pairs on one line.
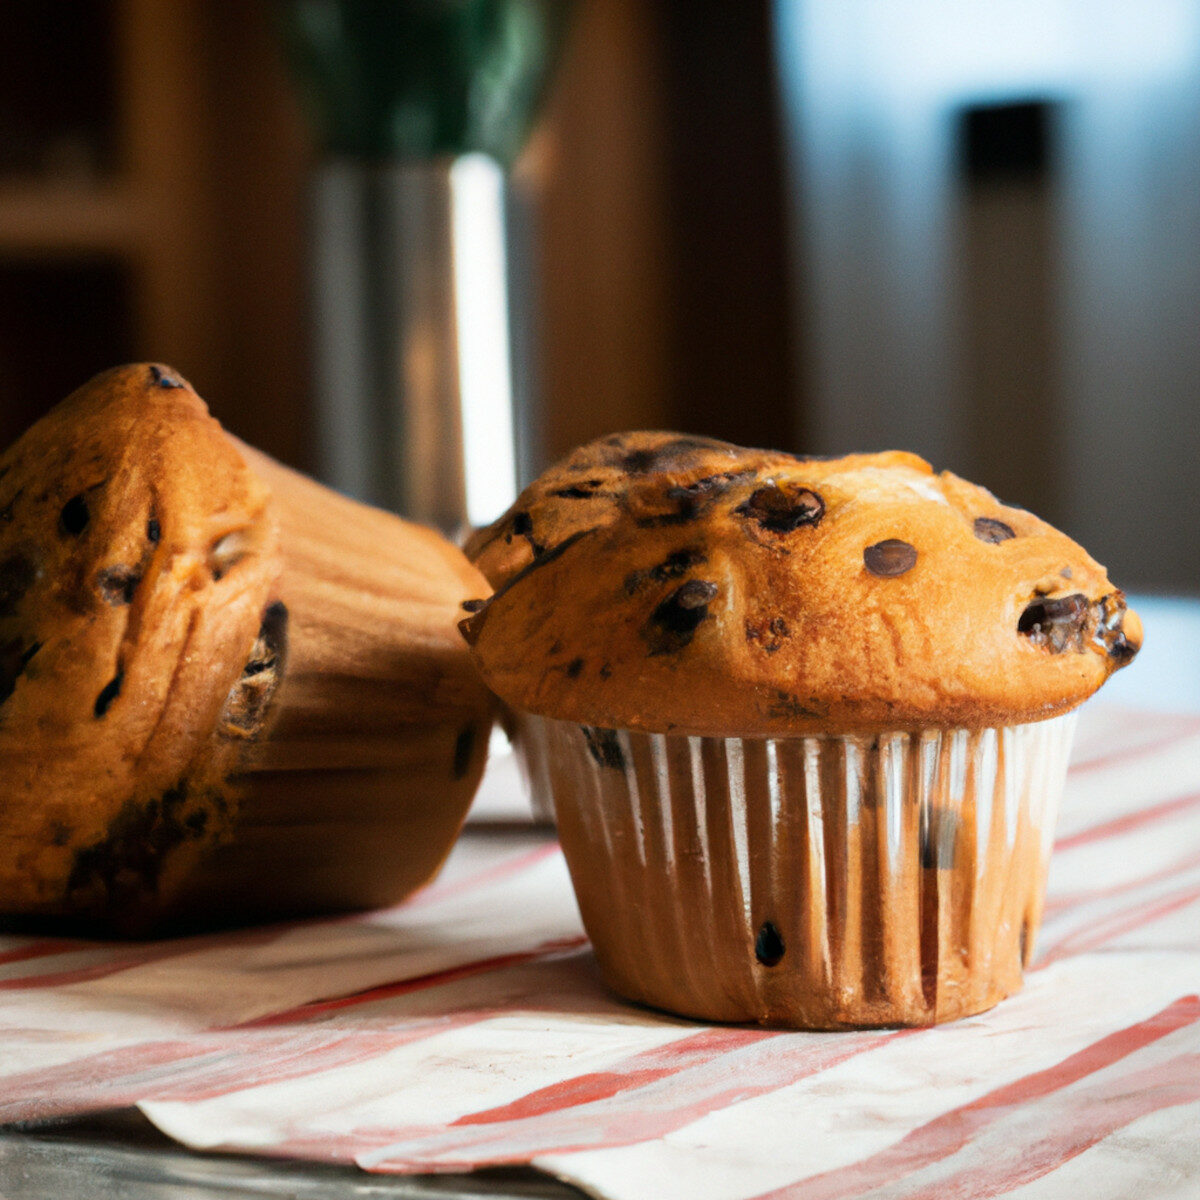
{"points": [[152, 199]]}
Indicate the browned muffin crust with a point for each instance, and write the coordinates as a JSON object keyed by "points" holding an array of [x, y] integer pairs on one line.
{"points": [[668, 583], [138, 554], [226, 692]]}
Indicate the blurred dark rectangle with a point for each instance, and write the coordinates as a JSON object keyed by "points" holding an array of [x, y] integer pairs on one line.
{"points": [[1002, 142], [62, 322], [57, 88]]}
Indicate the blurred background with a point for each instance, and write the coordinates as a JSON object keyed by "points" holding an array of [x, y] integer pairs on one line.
{"points": [[972, 231]]}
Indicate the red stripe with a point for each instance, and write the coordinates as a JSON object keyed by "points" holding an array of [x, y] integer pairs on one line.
{"points": [[1132, 820], [720, 1068], [201, 1067], [125, 956], [948, 1133], [1092, 1114], [637, 1072], [1060, 903], [1187, 728], [46, 949], [1099, 932], [401, 987]]}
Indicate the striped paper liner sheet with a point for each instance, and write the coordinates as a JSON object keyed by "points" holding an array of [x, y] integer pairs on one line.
{"points": [[470, 1027]]}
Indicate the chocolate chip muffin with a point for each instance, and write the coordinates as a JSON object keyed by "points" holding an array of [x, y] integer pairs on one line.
{"points": [[226, 692], [826, 704]]}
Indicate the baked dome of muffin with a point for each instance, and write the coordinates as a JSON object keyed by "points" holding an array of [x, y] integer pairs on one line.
{"points": [[659, 582], [226, 692]]}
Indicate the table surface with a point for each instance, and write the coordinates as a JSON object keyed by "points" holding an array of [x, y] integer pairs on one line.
{"points": [[122, 1155]]}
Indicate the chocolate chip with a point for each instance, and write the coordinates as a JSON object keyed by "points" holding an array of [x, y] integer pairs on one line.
{"points": [[604, 747], [988, 529], [14, 658], [768, 946], [889, 558], [669, 454], [781, 509], [1108, 614], [676, 564], [674, 622], [74, 516], [473, 606], [464, 748], [250, 697], [785, 706], [471, 627], [575, 668], [108, 693], [118, 584], [681, 503], [1056, 622], [17, 576], [769, 634], [577, 493], [162, 378], [522, 526], [124, 866], [153, 530]]}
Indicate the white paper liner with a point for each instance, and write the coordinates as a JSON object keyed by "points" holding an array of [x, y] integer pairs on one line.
{"points": [[819, 882]]}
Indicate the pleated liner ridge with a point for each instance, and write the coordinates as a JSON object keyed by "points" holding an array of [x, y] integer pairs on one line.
{"points": [[816, 882]]}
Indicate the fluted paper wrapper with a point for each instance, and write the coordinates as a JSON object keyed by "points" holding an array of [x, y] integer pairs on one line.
{"points": [[817, 882]]}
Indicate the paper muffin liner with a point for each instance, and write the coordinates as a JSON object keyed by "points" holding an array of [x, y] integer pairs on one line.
{"points": [[818, 882], [377, 732]]}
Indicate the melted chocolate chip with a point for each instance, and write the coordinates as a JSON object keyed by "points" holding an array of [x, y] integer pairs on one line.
{"points": [[768, 633], [74, 516], [768, 946], [246, 706], [675, 621], [579, 492], [153, 530], [889, 558], [575, 668], [681, 503], [464, 748], [14, 658], [782, 509], [108, 693], [604, 747], [471, 627], [163, 379], [522, 526], [124, 866], [17, 576], [118, 584], [1108, 616], [1057, 623], [669, 454], [785, 706], [988, 529], [675, 565]]}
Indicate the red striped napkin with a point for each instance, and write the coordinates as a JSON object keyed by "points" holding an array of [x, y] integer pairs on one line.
{"points": [[468, 1027]]}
